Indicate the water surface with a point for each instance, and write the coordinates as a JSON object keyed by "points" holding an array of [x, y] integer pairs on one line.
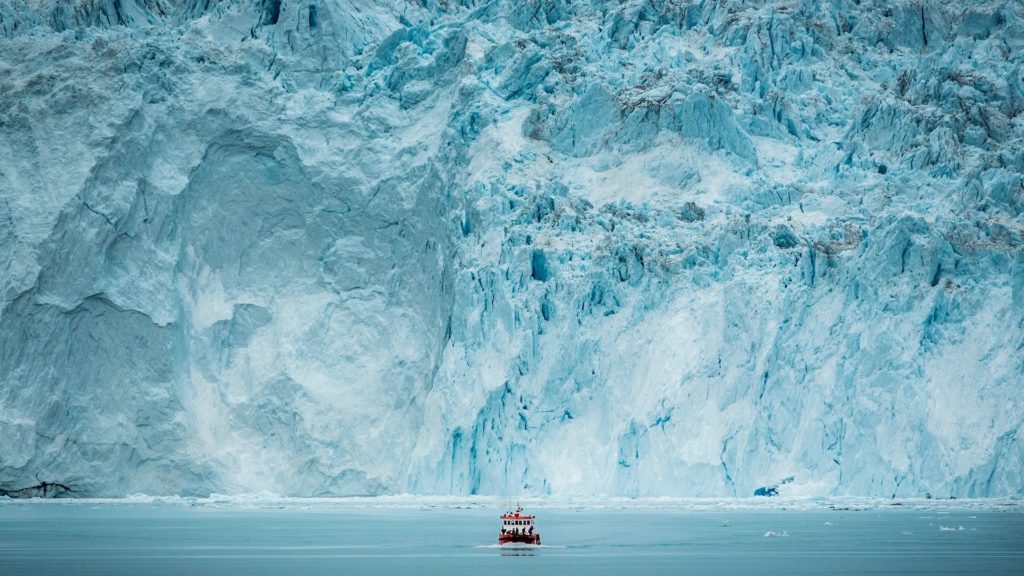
{"points": [[110, 539]]}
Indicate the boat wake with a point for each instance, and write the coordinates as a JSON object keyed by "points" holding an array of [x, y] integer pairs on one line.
{"points": [[517, 546]]}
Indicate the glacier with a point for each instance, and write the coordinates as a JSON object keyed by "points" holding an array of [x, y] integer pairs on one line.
{"points": [[543, 247]]}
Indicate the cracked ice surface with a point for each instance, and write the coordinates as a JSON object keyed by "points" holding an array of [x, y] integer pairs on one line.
{"points": [[556, 248]]}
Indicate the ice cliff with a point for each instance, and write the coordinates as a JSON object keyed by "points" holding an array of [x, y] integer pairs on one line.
{"points": [[554, 247]]}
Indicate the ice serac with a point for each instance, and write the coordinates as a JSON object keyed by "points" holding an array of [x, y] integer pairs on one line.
{"points": [[536, 247]]}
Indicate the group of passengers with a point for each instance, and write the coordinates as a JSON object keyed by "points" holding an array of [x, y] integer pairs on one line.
{"points": [[516, 531]]}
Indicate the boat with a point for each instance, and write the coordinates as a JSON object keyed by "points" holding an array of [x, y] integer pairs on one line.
{"points": [[518, 528]]}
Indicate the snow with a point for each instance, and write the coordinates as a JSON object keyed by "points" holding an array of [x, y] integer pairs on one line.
{"points": [[564, 250]]}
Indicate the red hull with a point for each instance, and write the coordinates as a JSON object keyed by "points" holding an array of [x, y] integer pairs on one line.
{"points": [[519, 539]]}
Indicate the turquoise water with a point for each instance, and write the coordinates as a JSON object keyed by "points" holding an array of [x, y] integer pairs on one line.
{"points": [[110, 539]]}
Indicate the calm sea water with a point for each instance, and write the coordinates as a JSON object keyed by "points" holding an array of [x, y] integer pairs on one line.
{"points": [[296, 540]]}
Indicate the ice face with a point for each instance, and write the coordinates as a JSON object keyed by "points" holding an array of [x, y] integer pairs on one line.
{"points": [[538, 247]]}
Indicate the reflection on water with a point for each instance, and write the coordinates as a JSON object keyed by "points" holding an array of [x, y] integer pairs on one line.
{"points": [[518, 552]]}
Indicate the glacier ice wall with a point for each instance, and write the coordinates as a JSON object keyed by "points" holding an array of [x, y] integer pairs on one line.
{"points": [[512, 247]]}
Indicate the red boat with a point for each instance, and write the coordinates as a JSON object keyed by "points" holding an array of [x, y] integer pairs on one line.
{"points": [[517, 528]]}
